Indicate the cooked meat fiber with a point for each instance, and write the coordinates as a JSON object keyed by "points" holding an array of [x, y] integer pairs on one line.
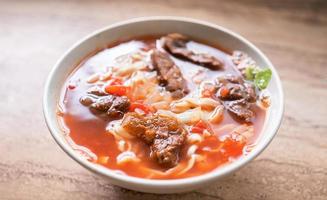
{"points": [[232, 87], [96, 90], [237, 96], [119, 107], [170, 75], [112, 106], [241, 60], [163, 134], [240, 108], [175, 43]]}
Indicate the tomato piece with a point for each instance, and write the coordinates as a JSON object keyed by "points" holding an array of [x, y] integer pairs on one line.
{"points": [[119, 90], [233, 147], [137, 105], [224, 92], [199, 127], [197, 130], [201, 124]]}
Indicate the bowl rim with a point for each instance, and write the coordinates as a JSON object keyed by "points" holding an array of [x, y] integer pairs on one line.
{"points": [[196, 180]]}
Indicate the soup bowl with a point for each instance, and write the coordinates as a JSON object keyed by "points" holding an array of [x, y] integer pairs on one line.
{"points": [[157, 26]]}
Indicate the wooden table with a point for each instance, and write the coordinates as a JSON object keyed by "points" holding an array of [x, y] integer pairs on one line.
{"points": [[33, 34]]}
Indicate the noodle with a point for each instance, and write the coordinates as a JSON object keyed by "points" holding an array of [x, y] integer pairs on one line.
{"points": [[178, 170], [93, 78], [154, 172], [123, 133], [183, 105], [127, 66], [190, 116], [194, 138], [208, 103], [217, 115], [206, 133], [121, 145], [167, 113], [126, 156], [188, 103], [189, 165], [139, 111], [191, 150], [163, 105]]}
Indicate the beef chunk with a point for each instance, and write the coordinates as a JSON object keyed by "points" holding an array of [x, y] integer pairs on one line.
{"points": [[250, 94], [113, 107], [166, 149], [103, 103], [137, 125], [96, 90], [170, 75], [119, 106], [234, 88], [175, 43], [87, 100], [165, 136], [237, 96], [240, 109]]}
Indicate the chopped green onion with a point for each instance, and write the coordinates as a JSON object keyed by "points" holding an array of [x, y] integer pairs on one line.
{"points": [[249, 73], [262, 78]]}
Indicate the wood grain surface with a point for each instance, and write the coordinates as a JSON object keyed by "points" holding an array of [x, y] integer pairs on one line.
{"points": [[33, 35]]}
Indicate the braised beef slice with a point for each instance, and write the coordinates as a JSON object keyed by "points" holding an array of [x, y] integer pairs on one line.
{"points": [[164, 135], [101, 103], [240, 108], [119, 106], [170, 75], [235, 88], [241, 60], [137, 125], [237, 96], [175, 43], [87, 100], [96, 90]]}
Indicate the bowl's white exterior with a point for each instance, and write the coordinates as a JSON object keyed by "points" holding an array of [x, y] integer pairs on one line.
{"points": [[152, 26]]}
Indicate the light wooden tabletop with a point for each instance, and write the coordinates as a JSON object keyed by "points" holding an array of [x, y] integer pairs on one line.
{"points": [[33, 34]]}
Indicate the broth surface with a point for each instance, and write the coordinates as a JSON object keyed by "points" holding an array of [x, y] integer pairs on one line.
{"points": [[90, 136]]}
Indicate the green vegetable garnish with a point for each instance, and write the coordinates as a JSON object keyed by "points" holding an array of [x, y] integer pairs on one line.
{"points": [[249, 73], [262, 78]]}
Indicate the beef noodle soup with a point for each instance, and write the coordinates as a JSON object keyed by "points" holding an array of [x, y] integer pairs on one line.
{"points": [[164, 107]]}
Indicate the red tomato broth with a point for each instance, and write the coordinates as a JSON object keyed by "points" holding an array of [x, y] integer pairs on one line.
{"points": [[88, 130]]}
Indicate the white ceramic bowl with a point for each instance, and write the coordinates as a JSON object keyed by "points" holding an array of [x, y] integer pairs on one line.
{"points": [[154, 26]]}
